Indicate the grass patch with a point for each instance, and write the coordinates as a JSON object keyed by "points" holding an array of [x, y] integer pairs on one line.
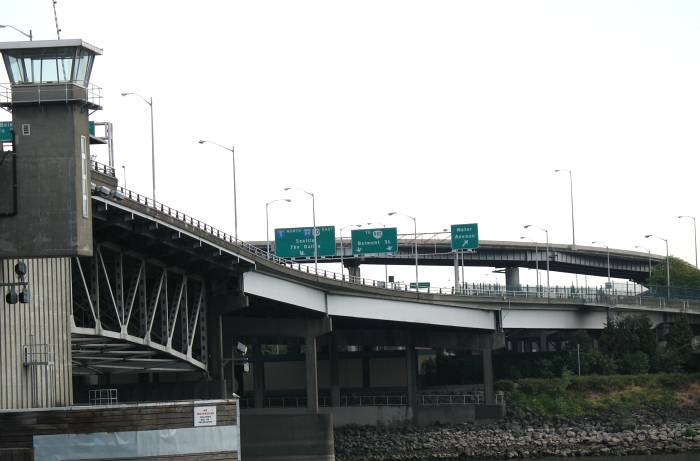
{"points": [[574, 396]]}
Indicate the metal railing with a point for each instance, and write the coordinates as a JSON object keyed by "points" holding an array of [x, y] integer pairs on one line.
{"points": [[5, 93], [93, 93], [388, 400], [103, 169], [597, 295], [467, 398], [376, 400], [103, 397]]}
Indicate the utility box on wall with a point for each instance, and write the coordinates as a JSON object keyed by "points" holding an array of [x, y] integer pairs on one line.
{"points": [[46, 208]]}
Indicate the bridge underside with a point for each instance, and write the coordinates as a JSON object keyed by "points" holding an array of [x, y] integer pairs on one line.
{"points": [[97, 354]]}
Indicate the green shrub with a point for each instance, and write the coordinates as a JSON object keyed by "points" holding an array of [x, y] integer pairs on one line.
{"points": [[633, 363]]}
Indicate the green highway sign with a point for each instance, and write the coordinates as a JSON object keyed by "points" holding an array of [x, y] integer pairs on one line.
{"points": [[5, 131], [420, 285], [91, 128], [374, 241], [298, 242], [465, 236]]}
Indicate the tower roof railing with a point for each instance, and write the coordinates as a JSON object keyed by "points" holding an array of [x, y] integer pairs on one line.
{"points": [[50, 92]]}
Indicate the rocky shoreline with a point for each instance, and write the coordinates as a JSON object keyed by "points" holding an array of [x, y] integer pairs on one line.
{"points": [[523, 436]]}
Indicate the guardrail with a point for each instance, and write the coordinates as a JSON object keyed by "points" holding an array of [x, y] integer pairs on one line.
{"points": [[579, 295], [103, 169]]}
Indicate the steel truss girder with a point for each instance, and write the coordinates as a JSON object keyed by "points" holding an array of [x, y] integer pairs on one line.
{"points": [[120, 295]]}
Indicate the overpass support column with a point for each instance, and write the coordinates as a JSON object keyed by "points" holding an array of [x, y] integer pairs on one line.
{"points": [[457, 284], [311, 375], [335, 372], [412, 377], [512, 278], [487, 361], [354, 271], [258, 375]]}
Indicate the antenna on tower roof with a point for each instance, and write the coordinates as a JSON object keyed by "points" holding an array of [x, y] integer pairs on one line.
{"points": [[55, 17]]}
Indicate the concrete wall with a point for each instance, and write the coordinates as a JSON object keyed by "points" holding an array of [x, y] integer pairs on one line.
{"points": [[290, 375], [387, 372], [369, 416], [45, 320], [288, 437]]}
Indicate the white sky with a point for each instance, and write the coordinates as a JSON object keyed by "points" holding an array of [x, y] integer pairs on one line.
{"points": [[449, 111]]}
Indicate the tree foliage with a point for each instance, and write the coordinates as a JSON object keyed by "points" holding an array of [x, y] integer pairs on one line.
{"points": [[628, 335], [683, 274]]}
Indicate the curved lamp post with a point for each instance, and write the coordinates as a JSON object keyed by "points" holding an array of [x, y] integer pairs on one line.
{"points": [[28, 35], [313, 211], [235, 206], [267, 221], [415, 239], [537, 259], [386, 269], [546, 233], [648, 251], [668, 265], [571, 193], [149, 101]]}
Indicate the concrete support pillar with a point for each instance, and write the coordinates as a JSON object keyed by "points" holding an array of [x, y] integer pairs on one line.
{"points": [[456, 266], [543, 343], [335, 371], [412, 377], [512, 278], [366, 381], [311, 375], [354, 271], [258, 375], [487, 360]]}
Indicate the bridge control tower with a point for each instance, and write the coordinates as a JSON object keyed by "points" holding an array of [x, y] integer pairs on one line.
{"points": [[45, 212], [45, 192]]}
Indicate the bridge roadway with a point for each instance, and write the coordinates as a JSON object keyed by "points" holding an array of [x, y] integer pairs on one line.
{"points": [[159, 278], [434, 249]]}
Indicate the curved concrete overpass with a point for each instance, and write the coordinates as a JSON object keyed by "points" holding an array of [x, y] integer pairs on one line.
{"points": [[153, 246]]}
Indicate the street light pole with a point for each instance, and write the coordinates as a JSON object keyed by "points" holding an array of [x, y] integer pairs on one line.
{"points": [[342, 249], [313, 211], [668, 265], [386, 269], [415, 240], [28, 35], [124, 176], [537, 258], [607, 248], [648, 251], [235, 205], [149, 101], [267, 221], [571, 193], [546, 233], [695, 238]]}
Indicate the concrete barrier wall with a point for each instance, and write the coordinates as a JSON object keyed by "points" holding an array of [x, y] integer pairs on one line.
{"points": [[137, 432], [369, 416], [288, 437]]}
